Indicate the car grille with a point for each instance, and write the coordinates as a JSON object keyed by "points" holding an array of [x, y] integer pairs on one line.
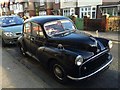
{"points": [[18, 33], [92, 49], [15, 39], [92, 65]]}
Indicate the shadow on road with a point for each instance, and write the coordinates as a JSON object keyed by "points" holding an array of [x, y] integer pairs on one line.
{"points": [[107, 79], [101, 80]]}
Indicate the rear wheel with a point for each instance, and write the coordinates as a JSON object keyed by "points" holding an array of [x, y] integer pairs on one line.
{"points": [[58, 72]]}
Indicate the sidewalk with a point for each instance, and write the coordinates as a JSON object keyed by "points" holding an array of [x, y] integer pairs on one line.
{"points": [[15, 75], [111, 35]]}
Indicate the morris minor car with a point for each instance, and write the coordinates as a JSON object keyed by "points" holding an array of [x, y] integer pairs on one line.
{"points": [[55, 42]]}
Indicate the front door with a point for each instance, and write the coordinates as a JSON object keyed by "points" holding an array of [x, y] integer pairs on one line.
{"points": [[27, 36], [37, 39]]}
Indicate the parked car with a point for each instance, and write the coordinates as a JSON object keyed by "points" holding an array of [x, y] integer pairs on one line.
{"points": [[53, 41], [10, 29]]}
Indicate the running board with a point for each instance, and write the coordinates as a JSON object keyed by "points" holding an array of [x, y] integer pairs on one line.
{"points": [[28, 53]]}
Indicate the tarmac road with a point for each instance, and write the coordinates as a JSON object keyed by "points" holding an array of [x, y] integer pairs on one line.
{"points": [[25, 72]]}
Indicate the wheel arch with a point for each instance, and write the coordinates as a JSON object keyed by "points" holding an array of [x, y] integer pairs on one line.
{"points": [[50, 61]]}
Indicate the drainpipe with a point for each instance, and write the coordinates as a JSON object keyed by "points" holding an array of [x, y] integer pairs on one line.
{"points": [[118, 9], [76, 8]]}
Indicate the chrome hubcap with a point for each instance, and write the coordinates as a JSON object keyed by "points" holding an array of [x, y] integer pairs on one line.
{"points": [[22, 50], [58, 72]]}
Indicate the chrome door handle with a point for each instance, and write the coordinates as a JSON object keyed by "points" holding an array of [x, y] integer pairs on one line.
{"points": [[32, 39]]}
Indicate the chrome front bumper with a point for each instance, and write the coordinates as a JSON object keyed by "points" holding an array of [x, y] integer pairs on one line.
{"points": [[10, 41], [100, 69]]}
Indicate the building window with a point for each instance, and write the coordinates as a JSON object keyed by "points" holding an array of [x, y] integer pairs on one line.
{"points": [[85, 9], [85, 14], [42, 2], [42, 13], [68, 12], [93, 9], [67, 0], [37, 4], [72, 11], [26, 5], [82, 9], [56, 1], [93, 15], [82, 15], [88, 11], [112, 11], [11, 7]]}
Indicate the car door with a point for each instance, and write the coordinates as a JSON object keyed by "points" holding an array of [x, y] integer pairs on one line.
{"points": [[27, 36], [37, 38]]}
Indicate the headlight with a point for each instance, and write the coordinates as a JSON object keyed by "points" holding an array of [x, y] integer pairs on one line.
{"points": [[78, 60], [8, 34], [110, 44]]}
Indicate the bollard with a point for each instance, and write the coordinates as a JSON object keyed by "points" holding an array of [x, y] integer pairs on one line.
{"points": [[97, 33]]}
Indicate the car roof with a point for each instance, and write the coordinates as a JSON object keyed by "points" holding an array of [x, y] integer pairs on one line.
{"points": [[44, 19], [9, 16]]}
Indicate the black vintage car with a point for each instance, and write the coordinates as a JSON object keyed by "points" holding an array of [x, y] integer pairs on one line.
{"points": [[53, 41]]}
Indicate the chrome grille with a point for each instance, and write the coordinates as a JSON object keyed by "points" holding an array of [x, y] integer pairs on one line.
{"points": [[93, 65]]}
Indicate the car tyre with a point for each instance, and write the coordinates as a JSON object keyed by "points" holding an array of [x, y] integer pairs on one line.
{"points": [[3, 43], [22, 50], [58, 72]]}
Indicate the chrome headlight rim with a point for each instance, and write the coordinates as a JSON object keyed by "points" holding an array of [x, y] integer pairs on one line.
{"points": [[110, 44], [8, 34], [79, 60]]}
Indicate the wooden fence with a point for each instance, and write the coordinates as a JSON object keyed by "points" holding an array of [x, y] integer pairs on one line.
{"points": [[102, 24], [95, 24], [113, 23]]}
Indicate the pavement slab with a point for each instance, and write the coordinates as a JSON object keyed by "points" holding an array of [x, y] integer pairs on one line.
{"points": [[111, 35], [15, 75]]}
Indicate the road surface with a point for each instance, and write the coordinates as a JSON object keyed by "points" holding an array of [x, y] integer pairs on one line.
{"points": [[25, 72]]}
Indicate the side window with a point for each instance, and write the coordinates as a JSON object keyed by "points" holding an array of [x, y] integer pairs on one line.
{"points": [[27, 28], [37, 30]]}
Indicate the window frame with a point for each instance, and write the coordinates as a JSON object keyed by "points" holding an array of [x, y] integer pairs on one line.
{"points": [[38, 30], [56, 21], [66, 12], [25, 27], [89, 11]]}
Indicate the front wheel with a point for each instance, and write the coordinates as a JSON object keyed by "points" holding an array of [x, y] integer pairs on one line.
{"points": [[3, 43], [59, 72], [22, 50]]}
